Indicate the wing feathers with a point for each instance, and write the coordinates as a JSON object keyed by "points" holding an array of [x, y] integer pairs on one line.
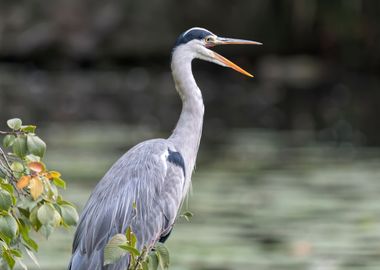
{"points": [[143, 189]]}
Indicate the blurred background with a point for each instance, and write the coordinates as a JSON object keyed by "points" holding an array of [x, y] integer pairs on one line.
{"points": [[287, 174]]}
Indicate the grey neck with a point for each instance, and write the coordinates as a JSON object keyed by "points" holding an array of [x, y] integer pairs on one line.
{"points": [[187, 133]]}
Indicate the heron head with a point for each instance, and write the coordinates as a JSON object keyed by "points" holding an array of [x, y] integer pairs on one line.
{"points": [[198, 41]]}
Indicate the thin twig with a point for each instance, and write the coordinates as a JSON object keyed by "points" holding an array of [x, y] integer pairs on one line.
{"points": [[8, 132], [5, 157], [13, 132], [6, 165], [4, 162], [140, 259]]}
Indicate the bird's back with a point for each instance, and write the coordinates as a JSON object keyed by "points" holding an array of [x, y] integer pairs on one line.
{"points": [[142, 190]]}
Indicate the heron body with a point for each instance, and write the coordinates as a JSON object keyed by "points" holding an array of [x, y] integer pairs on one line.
{"points": [[144, 189]]}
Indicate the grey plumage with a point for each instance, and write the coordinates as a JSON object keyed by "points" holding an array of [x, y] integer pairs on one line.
{"points": [[154, 175], [142, 177]]}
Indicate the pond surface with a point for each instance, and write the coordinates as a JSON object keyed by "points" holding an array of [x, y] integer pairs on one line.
{"points": [[258, 202]]}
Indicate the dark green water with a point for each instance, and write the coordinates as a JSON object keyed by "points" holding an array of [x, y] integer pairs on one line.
{"points": [[259, 203]]}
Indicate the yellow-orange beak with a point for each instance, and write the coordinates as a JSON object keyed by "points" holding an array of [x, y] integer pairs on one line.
{"points": [[225, 61], [230, 64]]}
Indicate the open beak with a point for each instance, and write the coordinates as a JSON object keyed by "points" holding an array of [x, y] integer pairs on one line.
{"points": [[224, 61]]}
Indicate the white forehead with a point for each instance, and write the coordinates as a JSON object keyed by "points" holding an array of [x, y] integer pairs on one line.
{"points": [[197, 28]]}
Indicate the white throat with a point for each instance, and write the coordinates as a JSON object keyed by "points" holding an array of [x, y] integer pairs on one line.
{"points": [[187, 133]]}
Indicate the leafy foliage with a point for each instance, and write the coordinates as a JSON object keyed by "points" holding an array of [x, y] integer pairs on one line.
{"points": [[150, 258], [29, 196]]}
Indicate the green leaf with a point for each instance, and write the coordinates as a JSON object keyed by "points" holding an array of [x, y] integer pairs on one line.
{"points": [[131, 237], [145, 265], [69, 215], [4, 264], [23, 212], [5, 200], [112, 251], [187, 215], [26, 203], [30, 242], [46, 230], [14, 123], [7, 187], [28, 128], [63, 202], [32, 158], [8, 258], [153, 261], [17, 167], [3, 244], [4, 239], [130, 249], [20, 146], [8, 226], [59, 183], [24, 231], [47, 215], [36, 146], [34, 219], [8, 140], [16, 252], [53, 191], [163, 255]]}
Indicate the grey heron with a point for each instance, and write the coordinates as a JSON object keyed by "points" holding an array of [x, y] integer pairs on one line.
{"points": [[145, 188]]}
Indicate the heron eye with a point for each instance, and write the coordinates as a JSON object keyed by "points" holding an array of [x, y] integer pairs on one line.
{"points": [[209, 39]]}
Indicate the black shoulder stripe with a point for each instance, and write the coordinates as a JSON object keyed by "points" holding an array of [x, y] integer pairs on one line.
{"points": [[177, 159], [165, 236]]}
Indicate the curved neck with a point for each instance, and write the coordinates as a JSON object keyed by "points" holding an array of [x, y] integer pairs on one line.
{"points": [[187, 133]]}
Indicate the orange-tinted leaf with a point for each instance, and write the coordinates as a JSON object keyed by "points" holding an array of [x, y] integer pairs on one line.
{"points": [[36, 187], [23, 181], [53, 174], [36, 166]]}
